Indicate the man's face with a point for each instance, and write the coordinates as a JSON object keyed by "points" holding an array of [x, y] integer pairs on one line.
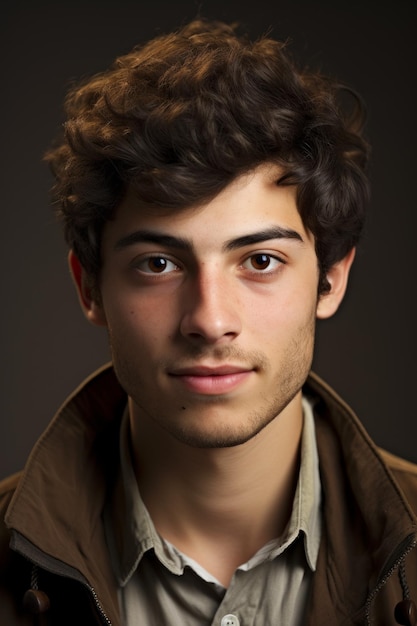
{"points": [[211, 310]]}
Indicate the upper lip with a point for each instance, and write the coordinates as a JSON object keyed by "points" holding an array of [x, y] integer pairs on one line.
{"points": [[207, 370]]}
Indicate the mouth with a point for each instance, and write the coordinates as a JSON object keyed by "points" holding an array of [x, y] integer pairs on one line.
{"points": [[209, 380]]}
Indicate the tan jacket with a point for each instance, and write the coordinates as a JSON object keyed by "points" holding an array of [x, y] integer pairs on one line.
{"points": [[53, 554]]}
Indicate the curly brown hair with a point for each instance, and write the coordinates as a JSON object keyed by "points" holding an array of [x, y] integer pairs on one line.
{"points": [[183, 115]]}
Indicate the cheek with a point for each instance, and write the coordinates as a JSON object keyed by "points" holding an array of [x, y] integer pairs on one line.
{"points": [[285, 308], [135, 325]]}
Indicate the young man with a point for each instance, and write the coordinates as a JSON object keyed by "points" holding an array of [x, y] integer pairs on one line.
{"points": [[212, 195]]}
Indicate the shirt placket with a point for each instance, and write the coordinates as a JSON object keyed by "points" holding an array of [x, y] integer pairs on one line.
{"points": [[236, 610]]}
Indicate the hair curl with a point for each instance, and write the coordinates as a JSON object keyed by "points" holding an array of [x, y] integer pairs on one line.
{"points": [[183, 115]]}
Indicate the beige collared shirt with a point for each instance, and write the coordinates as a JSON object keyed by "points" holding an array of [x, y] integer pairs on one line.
{"points": [[160, 586]]}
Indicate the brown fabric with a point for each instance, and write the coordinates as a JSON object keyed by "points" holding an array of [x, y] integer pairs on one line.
{"points": [[52, 512]]}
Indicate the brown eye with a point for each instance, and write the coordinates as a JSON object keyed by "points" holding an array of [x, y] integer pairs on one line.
{"points": [[260, 261], [155, 265]]}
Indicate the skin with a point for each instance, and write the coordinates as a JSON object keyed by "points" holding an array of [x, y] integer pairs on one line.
{"points": [[212, 337]]}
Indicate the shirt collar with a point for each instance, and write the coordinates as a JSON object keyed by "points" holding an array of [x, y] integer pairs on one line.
{"points": [[306, 514], [130, 531], [306, 518]]}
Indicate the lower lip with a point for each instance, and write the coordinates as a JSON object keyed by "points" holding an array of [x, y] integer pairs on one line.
{"points": [[213, 385]]}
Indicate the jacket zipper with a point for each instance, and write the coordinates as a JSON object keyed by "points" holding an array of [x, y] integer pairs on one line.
{"points": [[98, 605], [67, 572], [404, 549]]}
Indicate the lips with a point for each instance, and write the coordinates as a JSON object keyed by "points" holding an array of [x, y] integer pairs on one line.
{"points": [[206, 370], [211, 380]]}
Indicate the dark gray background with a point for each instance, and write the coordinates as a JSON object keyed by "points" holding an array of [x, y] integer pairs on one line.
{"points": [[366, 351]]}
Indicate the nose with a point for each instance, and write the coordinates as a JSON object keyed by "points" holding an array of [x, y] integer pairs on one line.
{"points": [[210, 309]]}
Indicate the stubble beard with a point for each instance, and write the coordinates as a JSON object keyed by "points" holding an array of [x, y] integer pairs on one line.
{"points": [[294, 368]]}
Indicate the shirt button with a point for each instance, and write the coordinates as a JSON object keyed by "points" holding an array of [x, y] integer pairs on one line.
{"points": [[230, 620]]}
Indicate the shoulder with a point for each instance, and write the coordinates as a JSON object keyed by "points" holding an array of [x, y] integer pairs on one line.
{"points": [[14, 569], [405, 474], [398, 464], [7, 488]]}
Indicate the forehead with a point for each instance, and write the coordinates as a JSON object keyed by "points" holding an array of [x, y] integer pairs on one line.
{"points": [[251, 202]]}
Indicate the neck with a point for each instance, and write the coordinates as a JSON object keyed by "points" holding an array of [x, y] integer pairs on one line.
{"points": [[224, 501]]}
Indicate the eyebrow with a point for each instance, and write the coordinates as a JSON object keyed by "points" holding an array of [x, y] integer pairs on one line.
{"points": [[181, 243], [274, 232]]}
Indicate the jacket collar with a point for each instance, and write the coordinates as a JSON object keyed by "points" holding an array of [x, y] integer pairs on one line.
{"points": [[369, 525], [79, 448]]}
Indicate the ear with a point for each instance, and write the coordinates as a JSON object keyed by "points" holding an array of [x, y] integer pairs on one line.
{"points": [[93, 309], [338, 278]]}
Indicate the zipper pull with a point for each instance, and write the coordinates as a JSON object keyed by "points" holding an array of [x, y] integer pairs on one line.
{"points": [[406, 613], [36, 602]]}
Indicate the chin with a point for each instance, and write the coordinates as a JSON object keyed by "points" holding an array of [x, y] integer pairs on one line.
{"points": [[217, 438]]}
